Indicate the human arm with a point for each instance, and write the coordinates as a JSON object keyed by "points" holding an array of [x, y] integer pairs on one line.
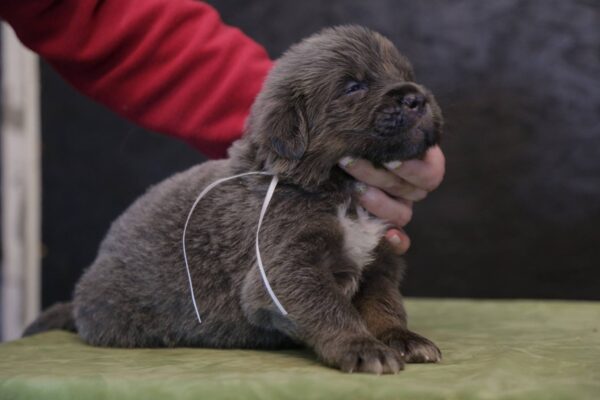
{"points": [[171, 66]]}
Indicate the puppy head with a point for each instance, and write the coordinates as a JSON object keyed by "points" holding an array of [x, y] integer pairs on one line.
{"points": [[345, 91]]}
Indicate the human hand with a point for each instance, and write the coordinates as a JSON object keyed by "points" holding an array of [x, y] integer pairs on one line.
{"points": [[389, 194]]}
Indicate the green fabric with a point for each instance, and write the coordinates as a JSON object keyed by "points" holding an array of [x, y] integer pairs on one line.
{"points": [[492, 350]]}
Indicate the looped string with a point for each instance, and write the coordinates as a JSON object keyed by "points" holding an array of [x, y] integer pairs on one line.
{"points": [[268, 197]]}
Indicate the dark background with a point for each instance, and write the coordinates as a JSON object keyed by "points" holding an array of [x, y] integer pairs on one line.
{"points": [[518, 214]]}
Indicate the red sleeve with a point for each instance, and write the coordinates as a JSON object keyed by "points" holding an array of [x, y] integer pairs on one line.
{"points": [[169, 65]]}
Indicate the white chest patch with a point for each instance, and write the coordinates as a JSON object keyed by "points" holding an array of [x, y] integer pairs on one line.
{"points": [[361, 234]]}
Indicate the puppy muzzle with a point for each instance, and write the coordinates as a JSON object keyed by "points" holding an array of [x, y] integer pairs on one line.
{"points": [[403, 107]]}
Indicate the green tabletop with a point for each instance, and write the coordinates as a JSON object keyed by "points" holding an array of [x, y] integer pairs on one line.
{"points": [[492, 350]]}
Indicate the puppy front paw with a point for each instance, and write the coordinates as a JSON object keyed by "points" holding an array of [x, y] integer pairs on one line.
{"points": [[367, 355], [413, 347]]}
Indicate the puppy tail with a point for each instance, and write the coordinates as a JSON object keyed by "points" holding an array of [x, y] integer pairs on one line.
{"points": [[59, 316]]}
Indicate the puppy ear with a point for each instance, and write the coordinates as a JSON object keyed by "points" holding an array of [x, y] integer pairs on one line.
{"points": [[288, 131]]}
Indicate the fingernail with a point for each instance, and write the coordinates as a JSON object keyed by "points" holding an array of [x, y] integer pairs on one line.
{"points": [[347, 162], [360, 188], [395, 240], [392, 165]]}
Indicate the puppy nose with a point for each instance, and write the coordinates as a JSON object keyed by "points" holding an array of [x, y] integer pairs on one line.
{"points": [[413, 102], [409, 97]]}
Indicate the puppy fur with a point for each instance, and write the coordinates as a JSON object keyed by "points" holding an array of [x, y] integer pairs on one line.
{"points": [[345, 91]]}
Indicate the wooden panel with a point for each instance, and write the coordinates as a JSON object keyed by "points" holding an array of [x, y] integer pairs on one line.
{"points": [[20, 186]]}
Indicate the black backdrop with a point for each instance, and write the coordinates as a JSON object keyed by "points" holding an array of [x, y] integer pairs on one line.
{"points": [[519, 82]]}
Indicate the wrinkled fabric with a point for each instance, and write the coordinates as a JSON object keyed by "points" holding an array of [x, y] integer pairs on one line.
{"points": [[492, 350]]}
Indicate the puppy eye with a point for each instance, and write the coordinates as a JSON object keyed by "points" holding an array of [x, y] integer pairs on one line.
{"points": [[354, 86]]}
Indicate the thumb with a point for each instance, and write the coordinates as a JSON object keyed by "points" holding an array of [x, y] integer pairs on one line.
{"points": [[398, 239]]}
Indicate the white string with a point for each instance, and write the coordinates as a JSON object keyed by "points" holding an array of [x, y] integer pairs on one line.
{"points": [[261, 267]]}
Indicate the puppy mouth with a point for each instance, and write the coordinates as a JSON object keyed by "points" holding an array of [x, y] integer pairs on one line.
{"points": [[391, 121], [401, 136]]}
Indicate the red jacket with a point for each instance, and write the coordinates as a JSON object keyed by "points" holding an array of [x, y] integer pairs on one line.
{"points": [[169, 65]]}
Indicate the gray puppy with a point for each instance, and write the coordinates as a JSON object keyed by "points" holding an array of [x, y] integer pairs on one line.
{"points": [[343, 92]]}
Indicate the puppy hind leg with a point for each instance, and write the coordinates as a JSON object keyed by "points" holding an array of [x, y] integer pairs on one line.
{"points": [[106, 307]]}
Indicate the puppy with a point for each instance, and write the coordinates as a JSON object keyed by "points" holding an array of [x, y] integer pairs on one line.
{"points": [[343, 92]]}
